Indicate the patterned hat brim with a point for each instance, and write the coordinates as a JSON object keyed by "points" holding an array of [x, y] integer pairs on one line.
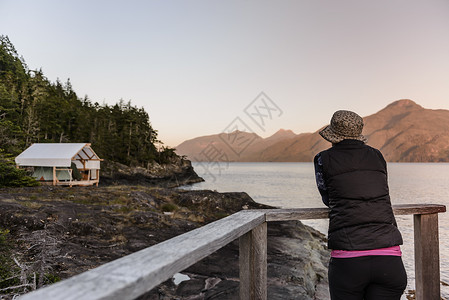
{"points": [[329, 135]]}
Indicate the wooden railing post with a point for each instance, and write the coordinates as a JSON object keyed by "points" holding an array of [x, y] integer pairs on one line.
{"points": [[427, 257], [253, 264]]}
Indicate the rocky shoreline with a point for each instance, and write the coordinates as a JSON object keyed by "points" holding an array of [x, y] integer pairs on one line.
{"points": [[52, 233], [180, 172]]}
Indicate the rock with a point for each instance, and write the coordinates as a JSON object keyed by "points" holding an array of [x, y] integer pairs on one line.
{"points": [[179, 172]]}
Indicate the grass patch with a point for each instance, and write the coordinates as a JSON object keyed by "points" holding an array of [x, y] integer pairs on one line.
{"points": [[82, 200], [221, 215], [31, 204], [119, 239], [123, 209], [52, 278], [196, 218], [169, 207], [123, 200]]}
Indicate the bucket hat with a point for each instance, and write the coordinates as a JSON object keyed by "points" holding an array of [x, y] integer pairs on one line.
{"points": [[344, 125]]}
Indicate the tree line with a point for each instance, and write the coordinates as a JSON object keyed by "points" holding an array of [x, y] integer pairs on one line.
{"points": [[35, 110]]}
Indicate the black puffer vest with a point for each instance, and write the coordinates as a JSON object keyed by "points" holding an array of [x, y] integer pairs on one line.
{"points": [[361, 217]]}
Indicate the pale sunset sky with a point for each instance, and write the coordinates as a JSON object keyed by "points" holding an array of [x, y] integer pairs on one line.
{"points": [[198, 66]]}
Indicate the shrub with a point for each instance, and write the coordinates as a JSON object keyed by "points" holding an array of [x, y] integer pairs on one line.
{"points": [[10, 176], [169, 207]]}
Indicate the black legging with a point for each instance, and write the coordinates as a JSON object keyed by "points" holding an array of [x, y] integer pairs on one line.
{"points": [[367, 277]]}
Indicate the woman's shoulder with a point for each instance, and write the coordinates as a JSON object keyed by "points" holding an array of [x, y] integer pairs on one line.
{"points": [[377, 151], [319, 155], [378, 154]]}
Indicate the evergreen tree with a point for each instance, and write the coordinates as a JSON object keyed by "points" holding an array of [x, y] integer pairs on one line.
{"points": [[10, 176]]}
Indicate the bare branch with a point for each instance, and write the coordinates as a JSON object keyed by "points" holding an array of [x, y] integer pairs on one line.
{"points": [[16, 287]]}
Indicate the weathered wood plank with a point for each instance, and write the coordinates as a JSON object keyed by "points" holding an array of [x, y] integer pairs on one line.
{"points": [[427, 257], [418, 209], [259, 248], [253, 264], [296, 214], [135, 274], [245, 266], [323, 212]]}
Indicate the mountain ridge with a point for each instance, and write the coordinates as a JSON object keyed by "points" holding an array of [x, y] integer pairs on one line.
{"points": [[403, 131]]}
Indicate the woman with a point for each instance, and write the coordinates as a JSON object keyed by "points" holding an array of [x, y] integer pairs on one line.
{"points": [[366, 260]]}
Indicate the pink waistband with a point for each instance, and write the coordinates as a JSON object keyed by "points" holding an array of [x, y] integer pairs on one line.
{"points": [[393, 251]]}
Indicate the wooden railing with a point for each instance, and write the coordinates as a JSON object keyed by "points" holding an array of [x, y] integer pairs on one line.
{"points": [[137, 273]]}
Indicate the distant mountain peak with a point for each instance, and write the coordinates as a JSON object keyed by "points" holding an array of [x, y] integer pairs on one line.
{"points": [[404, 103], [282, 134], [284, 131], [240, 133]]}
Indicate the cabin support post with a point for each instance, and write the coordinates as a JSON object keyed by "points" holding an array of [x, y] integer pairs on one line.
{"points": [[253, 264], [427, 256], [71, 176], [54, 175]]}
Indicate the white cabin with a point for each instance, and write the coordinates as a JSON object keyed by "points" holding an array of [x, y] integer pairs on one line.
{"points": [[62, 163]]}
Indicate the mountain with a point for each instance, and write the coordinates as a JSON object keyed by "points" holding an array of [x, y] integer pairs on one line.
{"points": [[404, 131], [280, 135], [234, 146], [218, 147]]}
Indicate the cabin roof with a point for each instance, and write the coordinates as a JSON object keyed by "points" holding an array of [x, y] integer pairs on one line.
{"points": [[55, 154]]}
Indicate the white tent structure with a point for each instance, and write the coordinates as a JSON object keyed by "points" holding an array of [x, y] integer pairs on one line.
{"points": [[57, 163]]}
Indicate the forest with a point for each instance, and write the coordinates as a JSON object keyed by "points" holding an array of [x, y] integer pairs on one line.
{"points": [[35, 110]]}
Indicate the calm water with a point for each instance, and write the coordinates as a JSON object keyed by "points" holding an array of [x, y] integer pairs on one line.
{"points": [[292, 185]]}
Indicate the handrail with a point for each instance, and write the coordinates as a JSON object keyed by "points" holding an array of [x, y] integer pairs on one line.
{"points": [[132, 275], [135, 274], [322, 213]]}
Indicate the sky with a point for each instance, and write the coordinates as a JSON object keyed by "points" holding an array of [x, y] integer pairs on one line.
{"points": [[202, 67]]}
